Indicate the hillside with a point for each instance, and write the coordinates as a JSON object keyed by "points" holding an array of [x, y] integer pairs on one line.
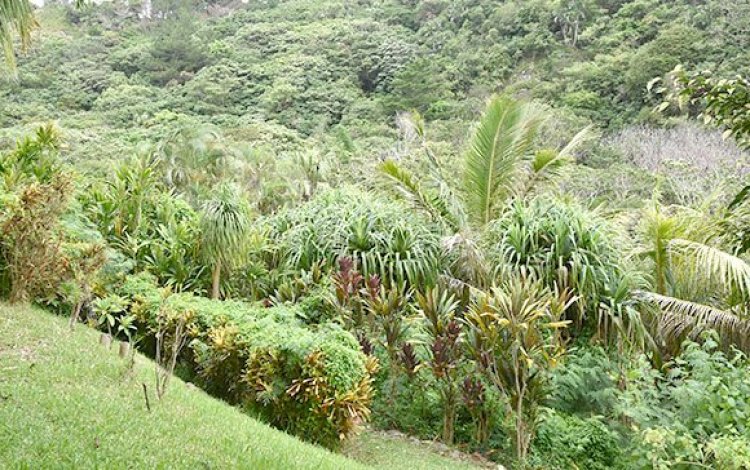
{"points": [[66, 401], [417, 233]]}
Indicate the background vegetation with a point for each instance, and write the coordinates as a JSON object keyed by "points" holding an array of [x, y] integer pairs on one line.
{"points": [[517, 227]]}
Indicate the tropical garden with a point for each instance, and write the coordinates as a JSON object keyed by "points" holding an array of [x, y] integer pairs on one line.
{"points": [[518, 228]]}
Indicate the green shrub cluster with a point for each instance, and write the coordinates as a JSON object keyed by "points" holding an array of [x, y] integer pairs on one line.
{"points": [[383, 238], [314, 383], [565, 441]]}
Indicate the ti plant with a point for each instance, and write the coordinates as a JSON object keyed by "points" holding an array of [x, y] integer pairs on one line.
{"points": [[474, 394], [347, 282], [409, 360], [515, 339], [445, 341], [386, 308]]}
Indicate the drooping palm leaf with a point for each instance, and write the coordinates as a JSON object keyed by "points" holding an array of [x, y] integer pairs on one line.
{"points": [[729, 270], [421, 197], [16, 17], [494, 160], [550, 160], [682, 319]]}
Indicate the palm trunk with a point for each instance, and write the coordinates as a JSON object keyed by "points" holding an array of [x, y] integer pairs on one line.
{"points": [[216, 280]]}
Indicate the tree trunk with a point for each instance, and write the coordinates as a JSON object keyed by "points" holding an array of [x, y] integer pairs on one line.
{"points": [[216, 281], [449, 417], [74, 315]]}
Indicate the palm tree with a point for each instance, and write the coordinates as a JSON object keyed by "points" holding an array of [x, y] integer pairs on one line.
{"points": [[16, 16], [498, 166], [224, 226], [193, 156], [718, 298]]}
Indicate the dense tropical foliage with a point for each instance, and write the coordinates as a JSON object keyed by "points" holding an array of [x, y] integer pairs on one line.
{"points": [[497, 224]]}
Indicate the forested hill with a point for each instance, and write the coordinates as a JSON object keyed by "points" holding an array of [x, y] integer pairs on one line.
{"points": [[286, 76]]}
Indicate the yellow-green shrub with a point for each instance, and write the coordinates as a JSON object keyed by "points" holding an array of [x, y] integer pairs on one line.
{"points": [[314, 383]]}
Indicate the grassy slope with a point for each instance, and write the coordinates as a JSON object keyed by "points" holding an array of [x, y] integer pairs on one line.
{"points": [[65, 401], [398, 453]]}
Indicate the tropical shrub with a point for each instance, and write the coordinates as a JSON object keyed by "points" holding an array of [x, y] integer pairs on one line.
{"points": [[567, 247], [565, 441], [314, 383], [381, 237], [699, 410], [514, 337]]}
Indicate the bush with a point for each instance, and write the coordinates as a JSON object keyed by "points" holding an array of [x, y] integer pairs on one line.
{"points": [[383, 238], [566, 245], [564, 441], [313, 383]]}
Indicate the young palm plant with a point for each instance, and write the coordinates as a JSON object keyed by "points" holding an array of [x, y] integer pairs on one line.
{"points": [[224, 228], [497, 167], [719, 297]]}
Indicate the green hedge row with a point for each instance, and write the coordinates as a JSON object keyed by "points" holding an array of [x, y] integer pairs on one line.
{"points": [[313, 382]]}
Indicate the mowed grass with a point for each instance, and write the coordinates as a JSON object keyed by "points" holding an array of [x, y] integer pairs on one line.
{"points": [[399, 453], [68, 402]]}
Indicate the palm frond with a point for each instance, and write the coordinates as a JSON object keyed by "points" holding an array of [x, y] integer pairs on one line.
{"points": [[729, 270], [16, 16], [408, 187], [584, 135], [494, 160], [682, 319]]}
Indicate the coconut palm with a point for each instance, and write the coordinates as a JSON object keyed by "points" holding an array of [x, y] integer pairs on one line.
{"points": [[224, 227], [16, 17], [497, 167]]}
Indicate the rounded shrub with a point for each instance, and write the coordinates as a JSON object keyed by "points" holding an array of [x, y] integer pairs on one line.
{"points": [[567, 246], [314, 383], [565, 441], [383, 237]]}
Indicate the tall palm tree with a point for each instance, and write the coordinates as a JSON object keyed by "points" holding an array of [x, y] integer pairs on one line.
{"points": [[224, 227], [498, 166], [16, 17]]}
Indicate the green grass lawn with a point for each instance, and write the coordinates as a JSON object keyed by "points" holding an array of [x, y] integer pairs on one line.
{"points": [[68, 402], [398, 453]]}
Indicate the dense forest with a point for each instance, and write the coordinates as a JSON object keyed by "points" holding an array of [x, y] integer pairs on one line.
{"points": [[518, 227]]}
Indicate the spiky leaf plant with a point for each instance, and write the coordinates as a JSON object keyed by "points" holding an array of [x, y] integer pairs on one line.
{"points": [[224, 227]]}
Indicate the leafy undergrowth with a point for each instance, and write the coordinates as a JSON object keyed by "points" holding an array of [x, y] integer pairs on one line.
{"points": [[66, 401]]}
